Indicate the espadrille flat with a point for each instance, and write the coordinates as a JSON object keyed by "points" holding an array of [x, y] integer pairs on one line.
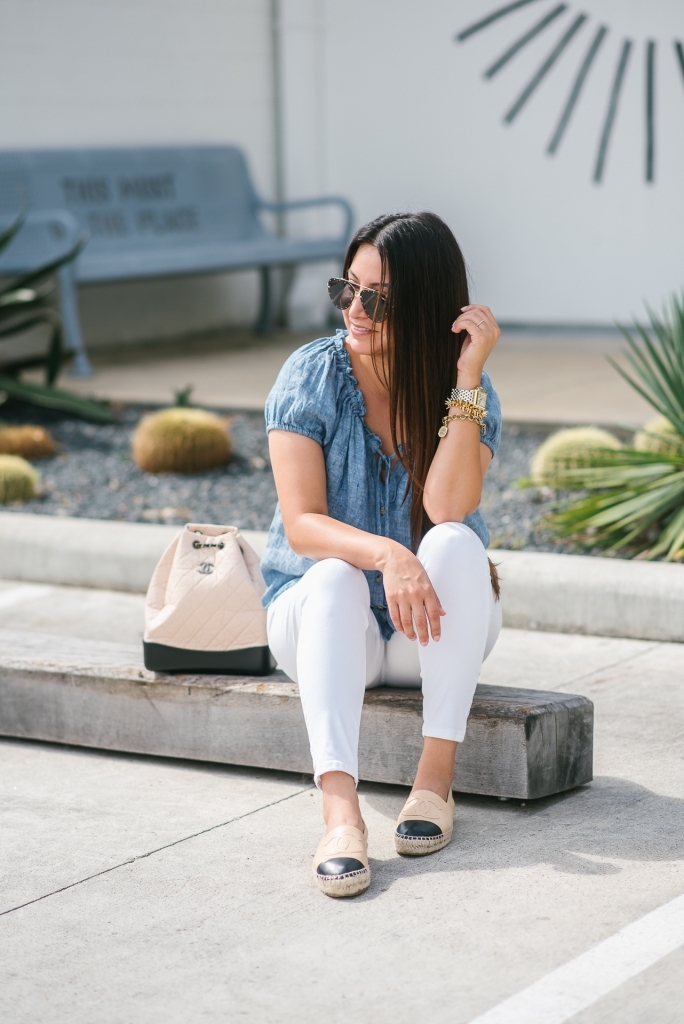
{"points": [[340, 864], [425, 824]]}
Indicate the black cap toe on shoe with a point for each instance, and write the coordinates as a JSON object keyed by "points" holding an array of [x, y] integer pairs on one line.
{"points": [[339, 866], [419, 829]]}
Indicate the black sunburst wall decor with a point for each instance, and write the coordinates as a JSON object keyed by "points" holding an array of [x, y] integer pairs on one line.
{"points": [[596, 34]]}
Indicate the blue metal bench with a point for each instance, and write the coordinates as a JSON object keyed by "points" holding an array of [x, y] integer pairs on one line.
{"points": [[150, 213]]}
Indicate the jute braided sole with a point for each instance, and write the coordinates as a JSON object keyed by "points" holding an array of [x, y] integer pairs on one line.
{"points": [[350, 884], [420, 846]]}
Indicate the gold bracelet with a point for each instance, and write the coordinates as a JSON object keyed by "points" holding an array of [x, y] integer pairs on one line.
{"points": [[444, 429], [468, 412], [466, 406], [472, 412]]}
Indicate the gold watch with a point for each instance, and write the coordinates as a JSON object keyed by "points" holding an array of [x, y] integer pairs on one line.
{"points": [[475, 396]]}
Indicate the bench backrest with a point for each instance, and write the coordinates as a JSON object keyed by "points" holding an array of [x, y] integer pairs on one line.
{"points": [[137, 198]]}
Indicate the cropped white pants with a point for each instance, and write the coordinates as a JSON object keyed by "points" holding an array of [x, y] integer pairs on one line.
{"points": [[325, 637]]}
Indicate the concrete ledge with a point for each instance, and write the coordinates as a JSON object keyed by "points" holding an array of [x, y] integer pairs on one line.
{"points": [[560, 593], [599, 596], [98, 553], [520, 743]]}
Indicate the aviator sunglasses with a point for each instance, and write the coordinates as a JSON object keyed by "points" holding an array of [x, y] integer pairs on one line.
{"points": [[342, 294]]}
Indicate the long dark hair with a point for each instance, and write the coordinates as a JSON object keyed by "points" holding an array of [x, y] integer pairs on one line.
{"points": [[426, 274]]}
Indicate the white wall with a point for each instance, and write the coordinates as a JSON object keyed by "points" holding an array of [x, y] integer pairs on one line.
{"points": [[411, 124], [379, 105], [129, 72]]}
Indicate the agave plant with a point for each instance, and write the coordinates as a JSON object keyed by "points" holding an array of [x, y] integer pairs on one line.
{"points": [[24, 304], [635, 503]]}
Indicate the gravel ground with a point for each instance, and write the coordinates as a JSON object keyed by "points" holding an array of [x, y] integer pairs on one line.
{"points": [[93, 475]]}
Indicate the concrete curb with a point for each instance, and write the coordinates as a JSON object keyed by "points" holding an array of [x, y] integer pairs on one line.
{"points": [[86, 552], [597, 596], [561, 593]]}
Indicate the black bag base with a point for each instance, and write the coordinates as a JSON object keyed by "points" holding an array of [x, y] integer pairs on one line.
{"points": [[250, 661]]}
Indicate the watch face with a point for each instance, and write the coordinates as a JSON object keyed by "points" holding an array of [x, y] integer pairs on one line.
{"points": [[480, 398]]}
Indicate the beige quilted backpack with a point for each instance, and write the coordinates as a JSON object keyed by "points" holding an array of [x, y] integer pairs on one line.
{"points": [[203, 609]]}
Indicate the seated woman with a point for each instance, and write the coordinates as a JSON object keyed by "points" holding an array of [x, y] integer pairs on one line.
{"points": [[377, 541]]}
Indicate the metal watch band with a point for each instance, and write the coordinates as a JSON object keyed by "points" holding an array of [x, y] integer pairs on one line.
{"points": [[474, 396]]}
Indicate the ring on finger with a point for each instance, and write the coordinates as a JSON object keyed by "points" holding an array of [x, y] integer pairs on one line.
{"points": [[481, 322]]}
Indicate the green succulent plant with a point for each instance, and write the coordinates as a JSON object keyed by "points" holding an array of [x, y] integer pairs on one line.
{"points": [[635, 503], [568, 449], [24, 304], [181, 440], [18, 479], [658, 436]]}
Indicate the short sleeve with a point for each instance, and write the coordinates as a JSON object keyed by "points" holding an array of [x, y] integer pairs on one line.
{"points": [[492, 433], [303, 399]]}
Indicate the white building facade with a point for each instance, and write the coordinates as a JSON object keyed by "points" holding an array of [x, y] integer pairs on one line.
{"points": [[550, 136]]}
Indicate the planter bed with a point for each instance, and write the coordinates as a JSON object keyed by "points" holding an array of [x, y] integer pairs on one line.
{"points": [[93, 475]]}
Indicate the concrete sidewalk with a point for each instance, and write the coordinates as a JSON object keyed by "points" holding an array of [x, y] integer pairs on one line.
{"points": [[562, 378], [140, 889]]}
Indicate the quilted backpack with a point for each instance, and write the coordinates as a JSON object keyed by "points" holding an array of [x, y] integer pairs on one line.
{"points": [[203, 609]]}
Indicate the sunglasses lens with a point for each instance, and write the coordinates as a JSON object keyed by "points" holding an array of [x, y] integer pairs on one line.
{"points": [[374, 304], [340, 292]]}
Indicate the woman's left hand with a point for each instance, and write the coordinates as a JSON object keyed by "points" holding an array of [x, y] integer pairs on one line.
{"points": [[483, 334]]}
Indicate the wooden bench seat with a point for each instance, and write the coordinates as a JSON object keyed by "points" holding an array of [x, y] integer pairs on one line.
{"points": [[520, 743]]}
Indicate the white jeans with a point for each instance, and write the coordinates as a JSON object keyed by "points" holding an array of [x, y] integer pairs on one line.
{"points": [[325, 637]]}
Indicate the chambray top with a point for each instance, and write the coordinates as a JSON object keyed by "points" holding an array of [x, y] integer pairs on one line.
{"points": [[316, 395]]}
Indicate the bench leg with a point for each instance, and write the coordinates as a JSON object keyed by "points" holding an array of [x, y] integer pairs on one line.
{"points": [[264, 324], [71, 323]]}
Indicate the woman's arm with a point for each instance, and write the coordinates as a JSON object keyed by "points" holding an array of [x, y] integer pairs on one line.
{"points": [[299, 472], [453, 487]]}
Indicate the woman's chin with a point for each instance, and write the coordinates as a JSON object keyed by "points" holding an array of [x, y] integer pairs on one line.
{"points": [[360, 348], [360, 343]]}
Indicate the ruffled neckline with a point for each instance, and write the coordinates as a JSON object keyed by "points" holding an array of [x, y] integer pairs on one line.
{"points": [[351, 385]]}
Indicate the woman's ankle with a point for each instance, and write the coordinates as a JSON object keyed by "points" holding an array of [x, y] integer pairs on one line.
{"points": [[433, 784], [436, 767], [340, 801]]}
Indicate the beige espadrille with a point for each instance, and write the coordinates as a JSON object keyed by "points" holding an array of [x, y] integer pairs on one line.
{"points": [[425, 824], [340, 864]]}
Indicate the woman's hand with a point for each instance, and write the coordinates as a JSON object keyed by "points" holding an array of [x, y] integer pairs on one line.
{"points": [[483, 334], [411, 600]]}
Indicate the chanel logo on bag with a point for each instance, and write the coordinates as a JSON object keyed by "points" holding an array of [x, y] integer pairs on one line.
{"points": [[205, 568], [208, 544]]}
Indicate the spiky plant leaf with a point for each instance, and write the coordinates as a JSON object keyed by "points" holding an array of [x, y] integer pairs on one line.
{"points": [[631, 494], [53, 398], [657, 363], [47, 269], [15, 227]]}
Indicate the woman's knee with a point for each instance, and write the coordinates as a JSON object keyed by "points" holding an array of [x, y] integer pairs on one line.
{"points": [[451, 540], [336, 580]]}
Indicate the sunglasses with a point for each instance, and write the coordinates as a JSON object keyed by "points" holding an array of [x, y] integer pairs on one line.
{"points": [[342, 294]]}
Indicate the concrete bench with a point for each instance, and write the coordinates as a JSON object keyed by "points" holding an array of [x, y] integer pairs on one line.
{"points": [[153, 213], [520, 743]]}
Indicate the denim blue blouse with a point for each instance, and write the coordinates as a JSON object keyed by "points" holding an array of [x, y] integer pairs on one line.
{"points": [[316, 395]]}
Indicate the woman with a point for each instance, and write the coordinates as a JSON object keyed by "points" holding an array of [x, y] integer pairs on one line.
{"points": [[377, 541]]}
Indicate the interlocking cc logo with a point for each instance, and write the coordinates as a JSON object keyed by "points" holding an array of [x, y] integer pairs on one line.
{"points": [[205, 568], [423, 808], [339, 844]]}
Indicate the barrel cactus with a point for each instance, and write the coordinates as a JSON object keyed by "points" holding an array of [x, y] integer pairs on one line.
{"points": [[568, 449], [27, 440], [18, 479], [181, 440], [659, 437]]}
